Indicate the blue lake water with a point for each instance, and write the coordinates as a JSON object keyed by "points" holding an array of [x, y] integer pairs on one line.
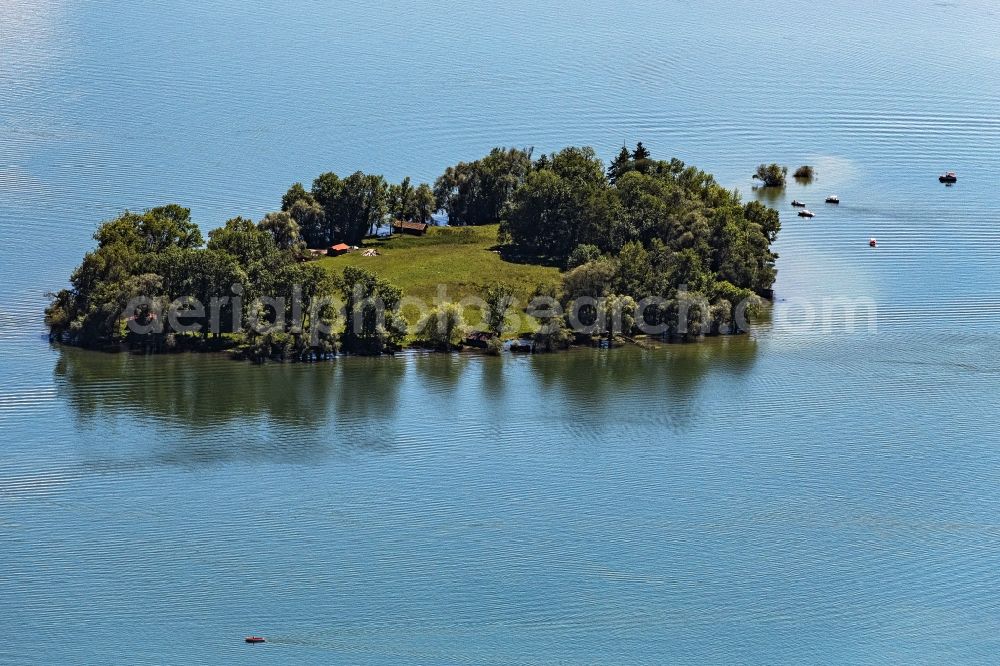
{"points": [[820, 491]]}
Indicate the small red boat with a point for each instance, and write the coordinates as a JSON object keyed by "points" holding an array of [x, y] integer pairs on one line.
{"points": [[872, 242], [254, 639]]}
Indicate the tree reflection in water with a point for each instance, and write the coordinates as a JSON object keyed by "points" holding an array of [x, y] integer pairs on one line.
{"points": [[188, 409]]}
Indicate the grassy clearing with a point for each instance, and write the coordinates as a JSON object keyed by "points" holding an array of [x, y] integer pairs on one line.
{"points": [[462, 260]]}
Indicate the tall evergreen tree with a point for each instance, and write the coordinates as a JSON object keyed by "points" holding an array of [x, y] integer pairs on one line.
{"points": [[641, 158], [620, 165]]}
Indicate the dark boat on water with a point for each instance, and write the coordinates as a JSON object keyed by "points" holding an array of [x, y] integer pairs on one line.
{"points": [[806, 213], [833, 198], [798, 204], [948, 177], [255, 639]]}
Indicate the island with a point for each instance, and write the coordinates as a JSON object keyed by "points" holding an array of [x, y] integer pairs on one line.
{"points": [[542, 252]]}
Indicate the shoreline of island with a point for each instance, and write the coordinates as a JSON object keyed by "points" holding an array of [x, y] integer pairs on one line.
{"points": [[551, 252]]}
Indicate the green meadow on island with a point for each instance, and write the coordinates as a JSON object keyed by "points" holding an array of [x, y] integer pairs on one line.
{"points": [[552, 250], [464, 262]]}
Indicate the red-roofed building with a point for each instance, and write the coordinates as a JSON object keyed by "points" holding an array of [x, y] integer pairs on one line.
{"points": [[338, 249]]}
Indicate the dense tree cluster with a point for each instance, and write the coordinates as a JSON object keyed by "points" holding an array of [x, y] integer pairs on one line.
{"points": [[643, 228], [474, 193], [640, 228], [345, 210], [154, 269]]}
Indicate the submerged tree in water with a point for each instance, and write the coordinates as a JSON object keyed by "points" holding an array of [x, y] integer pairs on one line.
{"points": [[771, 175], [804, 173]]}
